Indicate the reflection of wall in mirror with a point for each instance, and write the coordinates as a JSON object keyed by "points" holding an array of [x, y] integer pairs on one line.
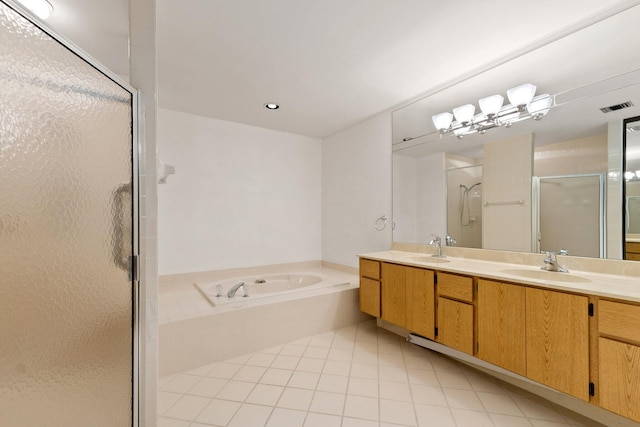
{"points": [[577, 156], [508, 167], [418, 194]]}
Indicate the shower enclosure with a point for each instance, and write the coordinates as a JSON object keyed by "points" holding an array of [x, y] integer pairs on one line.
{"points": [[464, 206], [68, 234], [570, 214]]}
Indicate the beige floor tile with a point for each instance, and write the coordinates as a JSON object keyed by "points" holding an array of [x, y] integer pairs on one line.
{"points": [[327, 403], [275, 376], [295, 398], [218, 412], [187, 408], [333, 383], [397, 412], [322, 420], [250, 415], [361, 407], [281, 417], [208, 387]]}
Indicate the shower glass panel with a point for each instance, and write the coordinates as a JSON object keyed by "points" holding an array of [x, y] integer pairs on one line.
{"points": [[464, 206], [571, 214], [66, 235]]}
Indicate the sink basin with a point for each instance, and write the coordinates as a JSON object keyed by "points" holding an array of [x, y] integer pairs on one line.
{"points": [[547, 275], [427, 259]]}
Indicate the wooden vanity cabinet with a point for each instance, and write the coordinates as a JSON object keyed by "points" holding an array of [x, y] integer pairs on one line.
{"points": [[408, 298], [370, 287], [455, 311], [557, 340], [501, 325], [619, 358]]}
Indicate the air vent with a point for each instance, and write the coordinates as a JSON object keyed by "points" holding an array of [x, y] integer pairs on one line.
{"points": [[617, 107]]}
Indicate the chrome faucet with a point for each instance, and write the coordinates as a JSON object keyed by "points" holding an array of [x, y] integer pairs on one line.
{"points": [[551, 262], [449, 241], [437, 242], [234, 289]]}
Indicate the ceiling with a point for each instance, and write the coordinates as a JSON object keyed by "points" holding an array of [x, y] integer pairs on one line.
{"points": [[329, 64]]}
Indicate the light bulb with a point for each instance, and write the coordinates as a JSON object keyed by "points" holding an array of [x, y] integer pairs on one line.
{"points": [[521, 95], [464, 113], [42, 8], [491, 105], [442, 121]]}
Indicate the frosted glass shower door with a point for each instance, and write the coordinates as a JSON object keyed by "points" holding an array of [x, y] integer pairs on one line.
{"points": [[571, 212], [67, 235]]}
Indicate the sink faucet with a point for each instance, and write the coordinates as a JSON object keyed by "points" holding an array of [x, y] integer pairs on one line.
{"points": [[551, 263], [437, 242], [234, 289]]}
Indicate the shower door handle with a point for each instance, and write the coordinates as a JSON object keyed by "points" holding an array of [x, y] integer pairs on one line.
{"points": [[122, 233]]}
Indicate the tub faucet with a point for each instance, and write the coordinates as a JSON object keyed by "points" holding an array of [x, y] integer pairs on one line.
{"points": [[437, 242], [234, 289], [551, 263]]}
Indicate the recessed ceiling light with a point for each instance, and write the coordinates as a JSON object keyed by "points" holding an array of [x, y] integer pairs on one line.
{"points": [[271, 106], [42, 8]]}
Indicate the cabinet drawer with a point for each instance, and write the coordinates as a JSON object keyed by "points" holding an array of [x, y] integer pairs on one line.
{"points": [[370, 269], [454, 286], [619, 320]]}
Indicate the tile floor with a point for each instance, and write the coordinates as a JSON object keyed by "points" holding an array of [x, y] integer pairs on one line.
{"points": [[359, 376]]}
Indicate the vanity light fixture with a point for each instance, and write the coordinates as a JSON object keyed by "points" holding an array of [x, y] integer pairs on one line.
{"points": [[41, 8], [523, 105], [271, 106]]}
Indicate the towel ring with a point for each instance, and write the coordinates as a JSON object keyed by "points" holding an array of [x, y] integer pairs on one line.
{"points": [[380, 223]]}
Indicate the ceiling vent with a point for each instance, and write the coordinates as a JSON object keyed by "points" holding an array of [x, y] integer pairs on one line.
{"points": [[617, 107]]}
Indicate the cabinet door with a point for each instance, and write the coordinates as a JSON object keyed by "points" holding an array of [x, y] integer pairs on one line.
{"points": [[370, 296], [420, 293], [394, 293], [619, 378], [501, 325], [455, 324], [558, 341]]}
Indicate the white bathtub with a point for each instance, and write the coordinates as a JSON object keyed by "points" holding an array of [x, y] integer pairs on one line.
{"points": [[267, 285], [197, 329]]}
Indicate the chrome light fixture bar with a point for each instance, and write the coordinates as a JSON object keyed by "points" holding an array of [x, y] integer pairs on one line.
{"points": [[523, 105]]}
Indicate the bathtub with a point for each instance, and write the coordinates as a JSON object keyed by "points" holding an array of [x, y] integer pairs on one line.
{"points": [[264, 285], [298, 300]]}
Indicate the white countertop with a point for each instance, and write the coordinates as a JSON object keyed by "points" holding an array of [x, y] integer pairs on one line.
{"points": [[603, 285]]}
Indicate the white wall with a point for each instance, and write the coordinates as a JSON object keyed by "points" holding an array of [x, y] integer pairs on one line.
{"points": [[242, 196], [356, 189]]}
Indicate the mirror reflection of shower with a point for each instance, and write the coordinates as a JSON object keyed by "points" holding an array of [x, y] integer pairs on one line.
{"points": [[465, 210], [464, 205]]}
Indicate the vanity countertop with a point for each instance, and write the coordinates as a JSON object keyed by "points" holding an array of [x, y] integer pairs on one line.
{"points": [[603, 285]]}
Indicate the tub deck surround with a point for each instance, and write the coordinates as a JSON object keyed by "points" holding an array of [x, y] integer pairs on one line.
{"points": [[621, 280], [194, 333]]}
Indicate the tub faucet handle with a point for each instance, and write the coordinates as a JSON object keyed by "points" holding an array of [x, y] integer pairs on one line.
{"points": [[246, 288], [218, 291]]}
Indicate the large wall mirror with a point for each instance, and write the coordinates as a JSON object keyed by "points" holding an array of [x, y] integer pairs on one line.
{"points": [[544, 183]]}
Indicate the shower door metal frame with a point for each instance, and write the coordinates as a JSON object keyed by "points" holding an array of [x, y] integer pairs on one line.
{"points": [[535, 206], [136, 136]]}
